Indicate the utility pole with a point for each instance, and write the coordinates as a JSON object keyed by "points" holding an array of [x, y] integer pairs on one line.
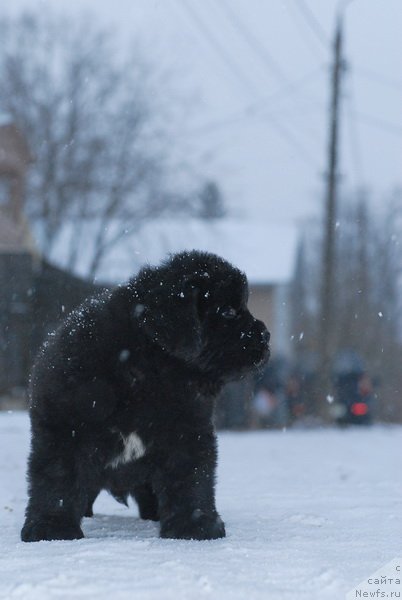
{"points": [[326, 329]]}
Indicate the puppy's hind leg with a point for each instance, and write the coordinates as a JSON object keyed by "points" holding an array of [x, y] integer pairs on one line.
{"points": [[57, 487], [147, 502], [91, 497]]}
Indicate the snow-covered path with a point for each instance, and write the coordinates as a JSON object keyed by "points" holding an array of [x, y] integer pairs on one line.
{"points": [[309, 514]]}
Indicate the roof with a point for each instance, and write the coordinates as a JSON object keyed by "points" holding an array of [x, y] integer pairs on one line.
{"points": [[266, 252]]}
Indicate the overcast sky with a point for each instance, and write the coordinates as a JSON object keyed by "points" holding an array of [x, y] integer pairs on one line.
{"points": [[256, 73]]}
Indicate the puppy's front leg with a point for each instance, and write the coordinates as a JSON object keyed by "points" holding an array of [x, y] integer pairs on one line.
{"points": [[147, 502], [185, 489]]}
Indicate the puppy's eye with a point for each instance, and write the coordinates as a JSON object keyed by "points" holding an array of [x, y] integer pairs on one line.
{"points": [[228, 312]]}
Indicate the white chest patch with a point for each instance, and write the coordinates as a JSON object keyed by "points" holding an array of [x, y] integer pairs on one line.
{"points": [[132, 450]]}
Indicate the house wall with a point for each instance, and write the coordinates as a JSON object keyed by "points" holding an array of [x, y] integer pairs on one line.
{"points": [[35, 297], [270, 304], [16, 277], [14, 160], [55, 293]]}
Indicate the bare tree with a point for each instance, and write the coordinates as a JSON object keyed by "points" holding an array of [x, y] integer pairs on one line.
{"points": [[95, 125], [368, 294]]}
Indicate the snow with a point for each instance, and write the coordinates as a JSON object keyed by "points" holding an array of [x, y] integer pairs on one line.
{"points": [[309, 514]]}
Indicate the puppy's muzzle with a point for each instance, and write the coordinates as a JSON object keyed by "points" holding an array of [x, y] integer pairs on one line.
{"points": [[266, 336]]}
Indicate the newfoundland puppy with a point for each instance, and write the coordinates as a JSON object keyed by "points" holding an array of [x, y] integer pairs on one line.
{"points": [[122, 399]]}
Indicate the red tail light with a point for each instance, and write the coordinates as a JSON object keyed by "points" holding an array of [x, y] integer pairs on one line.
{"points": [[359, 409]]}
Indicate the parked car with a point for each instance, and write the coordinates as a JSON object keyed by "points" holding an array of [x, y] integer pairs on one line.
{"points": [[354, 394]]}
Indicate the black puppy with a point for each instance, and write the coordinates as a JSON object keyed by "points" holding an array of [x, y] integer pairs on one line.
{"points": [[122, 398]]}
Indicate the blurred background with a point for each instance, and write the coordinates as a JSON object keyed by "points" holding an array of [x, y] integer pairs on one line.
{"points": [[267, 132]]}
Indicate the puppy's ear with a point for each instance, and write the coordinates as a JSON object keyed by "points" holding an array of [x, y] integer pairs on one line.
{"points": [[170, 317]]}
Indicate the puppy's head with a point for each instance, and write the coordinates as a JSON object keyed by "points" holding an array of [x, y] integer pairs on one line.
{"points": [[195, 307]]}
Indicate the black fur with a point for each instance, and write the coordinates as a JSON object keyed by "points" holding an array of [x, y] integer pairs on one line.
{"points": [[148, 358]]}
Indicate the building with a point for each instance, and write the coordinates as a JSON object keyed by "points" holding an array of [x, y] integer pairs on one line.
{"points": [[33, 293], [16, 255]]}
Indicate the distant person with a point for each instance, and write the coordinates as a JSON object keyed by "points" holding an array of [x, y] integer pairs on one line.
{"points": [[268, 408], [294, 397]]}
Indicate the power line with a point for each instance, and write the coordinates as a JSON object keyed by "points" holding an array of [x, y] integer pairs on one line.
{"points": [[294, 143], [218, 47], [378, 78], [254, 43], [321, 35], [295, 16], [255, 108], [313, 23], [283, 131], [380, 123]]}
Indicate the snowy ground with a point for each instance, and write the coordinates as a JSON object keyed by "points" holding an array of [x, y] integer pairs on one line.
{"points": [[309, 514]]}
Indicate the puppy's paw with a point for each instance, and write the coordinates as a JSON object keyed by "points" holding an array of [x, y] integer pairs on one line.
{"points": [[36, 530], [197, 526]]}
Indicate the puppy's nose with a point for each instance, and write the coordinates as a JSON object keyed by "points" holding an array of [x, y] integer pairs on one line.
{"points": [[266, 336]]}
